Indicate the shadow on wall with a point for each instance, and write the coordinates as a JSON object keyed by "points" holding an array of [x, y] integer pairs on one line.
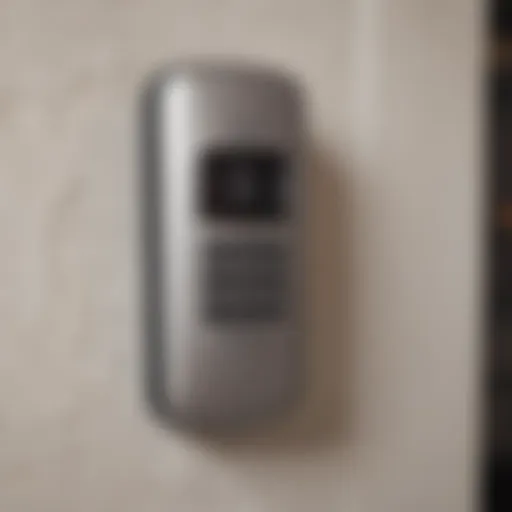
{"points": [[326, 413]]}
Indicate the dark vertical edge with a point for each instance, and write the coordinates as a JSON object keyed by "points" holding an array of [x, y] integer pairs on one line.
{"points": [[150, 238], [497, 464]]}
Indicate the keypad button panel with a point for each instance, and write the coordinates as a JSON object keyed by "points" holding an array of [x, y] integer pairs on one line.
{"points": [[245, 281]]}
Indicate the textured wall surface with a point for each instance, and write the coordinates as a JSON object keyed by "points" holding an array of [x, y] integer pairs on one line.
{"points": [[393, 100]]}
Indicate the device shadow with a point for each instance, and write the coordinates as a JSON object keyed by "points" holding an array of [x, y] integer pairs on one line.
{"points": [[326, 414]]}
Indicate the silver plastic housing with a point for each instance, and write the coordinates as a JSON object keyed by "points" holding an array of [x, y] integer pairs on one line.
{"points": [[203, 374]]}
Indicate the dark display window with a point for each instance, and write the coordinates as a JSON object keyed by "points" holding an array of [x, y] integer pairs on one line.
{"points": [[243, 184]]}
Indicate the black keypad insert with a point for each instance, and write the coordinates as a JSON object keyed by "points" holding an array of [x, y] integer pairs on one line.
{"points": [[245, 281]]}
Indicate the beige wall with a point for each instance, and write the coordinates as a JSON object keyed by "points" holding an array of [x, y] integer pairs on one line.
{"points": [[390, 425]]}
